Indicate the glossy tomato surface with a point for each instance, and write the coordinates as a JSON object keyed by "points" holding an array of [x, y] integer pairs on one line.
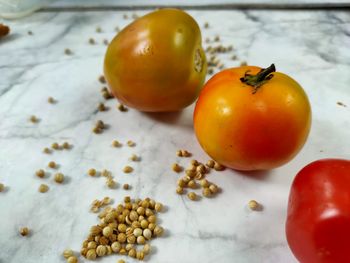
{"points": [[318, 219], [157, 63], [249, 128]]}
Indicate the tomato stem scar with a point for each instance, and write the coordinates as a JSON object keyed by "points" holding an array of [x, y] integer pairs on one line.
{"points": [[256, 81]]}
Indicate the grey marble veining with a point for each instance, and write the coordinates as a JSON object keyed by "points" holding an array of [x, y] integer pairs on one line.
{"points": [[312, 47]]}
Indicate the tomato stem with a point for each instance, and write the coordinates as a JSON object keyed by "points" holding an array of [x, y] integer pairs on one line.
{"points": [[256, 81]]}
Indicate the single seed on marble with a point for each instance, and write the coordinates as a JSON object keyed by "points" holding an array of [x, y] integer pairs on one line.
{"points": [[116, 143], [204, 183], [181, 183], [2, 187], [102, 79], [98, 29], [66, 146], [123, 251], [92, 41], [33, 119], [121, 261], [43, 188], [40, 173], [96, 130], [186, 179], [127, 169], [243, 63], [206, 192], [59, 178], [210, 163], [194, 162], [83, 251], [147, 233], [176, 167], [46, 150], [101, 107], [234, 57], [125, 16], [24, 231], [254, 205], [67, 253], [92, 172], [206, 25], [158, 207], [51, 100], [134, 158], [127, 199], [110, 183], [158, 231], [68, 52], [179, 153], [218, 167], [100, 124], [106, 42], [213, 188], [107, 95], [192, 196], [217, 39], [91, 254], [30, 33], [132, 253], [186, 153], [126, 186], [130, 143], [146, 249], [52, 165], [55, 146], [72, 259]]}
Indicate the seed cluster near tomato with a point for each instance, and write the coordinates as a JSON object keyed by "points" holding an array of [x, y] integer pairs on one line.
{"points": [[246, 118]]}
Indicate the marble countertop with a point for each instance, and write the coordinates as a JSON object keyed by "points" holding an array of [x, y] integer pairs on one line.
{"points": [[310, 46]]}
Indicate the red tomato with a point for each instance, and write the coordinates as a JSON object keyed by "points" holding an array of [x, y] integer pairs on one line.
{"points": [[318, 220]]}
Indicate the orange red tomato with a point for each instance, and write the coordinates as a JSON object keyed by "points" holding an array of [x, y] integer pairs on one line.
{"points": [[248, 118]]}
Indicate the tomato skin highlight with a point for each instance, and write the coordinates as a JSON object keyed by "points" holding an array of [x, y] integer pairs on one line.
{"points": [[252, 131], [157, 62], [318, 216]]}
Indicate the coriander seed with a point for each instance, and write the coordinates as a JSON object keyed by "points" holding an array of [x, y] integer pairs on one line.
{"points": [[206, 192], [46, 150], [122, 108], [204, 183], [140, 255], [179, 153], [213, 188], [68, 253], [98, 29], [43, 188], [130, 143], [2, 187], [91, 245], [68, 52], [218, 167], [91, 41], [121, 261], [66, 145], [72, 259], [52, 165], [141, 240], [92, 172], [210, 163], [134, 158], [176, 167], [158, 207], [146, 249], [192, 184], [126, 186], [132, 253], [206, 25], [91, 254], [33, 119], [121, 237], [192, 196], [254, 205], [127, 169], [24, 231], [51, 100], [40, 173], [179, 190], [95, 230], [116, 246], [55, 146], [106, 42], [59, 178], [101, 250], [147, 234], [116, 143], [158, 231], [137, 232]]}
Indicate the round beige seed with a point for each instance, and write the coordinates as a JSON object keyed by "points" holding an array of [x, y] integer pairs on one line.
{"points": [[206, 192], [68, 253], [59, 178], [141, 240], [40, 173], [47, 150], [218, 167], [210, 163], [176, 168], [91, 245], [91, 254], [134, 158], [130, 143], [158, 231], [121, 261], [253, 205], [137, 232], [152, 219], [192, 184], [151, 226], [140, 255], [121, 238], [192, 196], [144, 223], [179, 190], [52, 165], [181, 183], [24, 231], [146, 249], [147, 233], [132, 253], [126, 186], [92, 172], [2, 187], [204, 183], [127, 169], [213, 188], [55, 146], [72, 259], [43, 188], [107, 231], [122, 228], [116, 246], [116, 143], [101, 250]]}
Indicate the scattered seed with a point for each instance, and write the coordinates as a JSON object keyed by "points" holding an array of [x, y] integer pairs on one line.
{"points": [[122, 108], [2, 187], [43, 188], [66, 146], [121, 261], [253, 205], [30, 33], [101, 107], [92, 172], [127, 169], [55, 146], [52, 165], [179, 153], [234, 57], [217, 39], [110, 183], [176, 167], [68, 52], [192, 196], [59, 178], [116, 29], [134, 16], [125, 16], [130, 143], [106, 42], [34, 119], [243, 63], [24, 231], [102, 79], [72, 259], [98, 29], [206, 25], [210, 163], [341, 104], [218, 167], [51, 100], [40, 173], [158, 207], [213, 188], [46, 150], [68, 253], [92, 41], [4, 30], [126, 186]]}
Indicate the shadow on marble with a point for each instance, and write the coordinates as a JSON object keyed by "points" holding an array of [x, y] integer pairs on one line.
{"points": [[257, 175], [9, 38], [165, 117]]}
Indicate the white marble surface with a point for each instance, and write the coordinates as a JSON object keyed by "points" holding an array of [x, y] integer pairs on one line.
{"points": [[313, 47]]}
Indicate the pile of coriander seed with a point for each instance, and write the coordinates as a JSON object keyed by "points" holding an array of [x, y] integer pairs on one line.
{"points": [[123, 229]]}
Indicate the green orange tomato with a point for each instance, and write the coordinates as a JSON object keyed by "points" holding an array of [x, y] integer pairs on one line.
{"points": [[157, 63]]}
